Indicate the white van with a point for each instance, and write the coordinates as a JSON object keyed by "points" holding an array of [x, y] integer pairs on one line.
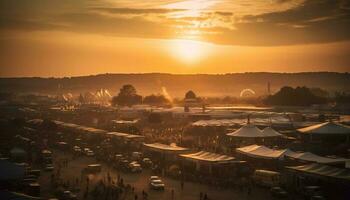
{"points": [[266, 178]]}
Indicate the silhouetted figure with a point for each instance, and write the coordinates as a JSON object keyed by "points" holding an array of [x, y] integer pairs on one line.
{"points": [[205, 197]]}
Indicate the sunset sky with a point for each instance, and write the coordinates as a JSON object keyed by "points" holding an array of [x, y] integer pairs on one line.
{"points": [[82, 37]]}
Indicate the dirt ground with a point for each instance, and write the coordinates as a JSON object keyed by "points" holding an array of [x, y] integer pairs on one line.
{"points": [[140, 181]]}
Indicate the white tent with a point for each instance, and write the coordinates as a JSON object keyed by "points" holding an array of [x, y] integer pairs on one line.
{"points": [[247, 131], [258, 151], [166, 148], [326, 128], [270, 132], [208, 157]]}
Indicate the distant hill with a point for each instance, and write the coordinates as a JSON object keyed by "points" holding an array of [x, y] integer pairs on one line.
{"points": [[176, 84]]}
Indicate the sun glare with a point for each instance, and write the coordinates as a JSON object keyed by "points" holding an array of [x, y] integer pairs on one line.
{"points": [[188, 51]]}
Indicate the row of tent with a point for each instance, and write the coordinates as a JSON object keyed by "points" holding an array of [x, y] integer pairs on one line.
{"points": [[88, 130], [318, 166], [240, 121], [186, 153], [325, 128], [255, 151], [251, 131], [260, 151]]}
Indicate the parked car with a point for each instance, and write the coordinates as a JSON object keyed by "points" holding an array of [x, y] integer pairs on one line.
{"points": [[310, 191], [135, 167], [146, 162], [86, 149], [90, 153], [62, 146], [68, 195], [154, 178], [278, 192], [124, 164], [77, 150], [157, 184], [118, 157], [49, 167]]}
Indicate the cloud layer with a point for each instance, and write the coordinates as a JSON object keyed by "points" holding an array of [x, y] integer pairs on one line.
{"points": [[253, 23]]}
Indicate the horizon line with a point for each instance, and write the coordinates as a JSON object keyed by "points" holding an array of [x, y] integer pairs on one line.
{"points": [[176, 74]]}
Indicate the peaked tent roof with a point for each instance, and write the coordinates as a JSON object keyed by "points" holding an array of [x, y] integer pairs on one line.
{"points": [[270, 132], [258, 151], [323, 170], [208, 157], [326, 128], [248, 131]]}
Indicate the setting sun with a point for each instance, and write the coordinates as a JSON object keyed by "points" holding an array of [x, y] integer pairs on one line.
{"points": [[175, 99], [188, 51]]}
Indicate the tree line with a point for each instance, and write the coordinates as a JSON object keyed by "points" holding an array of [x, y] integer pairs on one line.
{"points": [[286, 96]]}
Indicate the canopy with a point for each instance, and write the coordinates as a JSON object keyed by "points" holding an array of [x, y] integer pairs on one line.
{"points": [[258, 151], [326, 128], [165, 147], [91, 130], [208, 157], [310, 157], [261, 152], [247, 131], [323, 170]]}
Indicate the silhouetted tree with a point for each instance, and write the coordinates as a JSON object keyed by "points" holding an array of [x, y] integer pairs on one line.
{"points": [[300, 96], [319, 92], [127, 96], [190, 95], [155, 100]]}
